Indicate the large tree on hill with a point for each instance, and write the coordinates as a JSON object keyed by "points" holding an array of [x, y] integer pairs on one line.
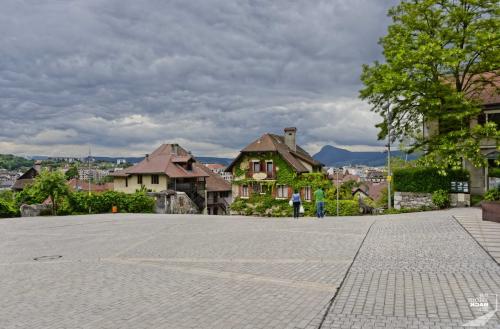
{"points": [[51, 184], [439, 56]]}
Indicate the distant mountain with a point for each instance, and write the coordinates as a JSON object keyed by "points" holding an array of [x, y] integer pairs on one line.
{"points": [[336, 157], [223, 161]]}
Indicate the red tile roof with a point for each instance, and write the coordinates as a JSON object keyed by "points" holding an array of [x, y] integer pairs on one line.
{"points": [[167, 160], [80, 185], [276, 143], [215, 166]]}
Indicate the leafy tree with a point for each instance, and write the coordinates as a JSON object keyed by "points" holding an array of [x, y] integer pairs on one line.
{"points": [[71, 173], [345, 192], [437, 53], [51, 184]]}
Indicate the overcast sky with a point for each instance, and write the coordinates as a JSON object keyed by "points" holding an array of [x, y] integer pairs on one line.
{"points": [[125, 76]]}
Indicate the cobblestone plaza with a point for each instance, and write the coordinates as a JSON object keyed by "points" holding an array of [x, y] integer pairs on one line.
{"points": [[158, 271]]}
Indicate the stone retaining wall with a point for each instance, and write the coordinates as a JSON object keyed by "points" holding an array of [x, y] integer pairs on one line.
{"points": [[412, 200]]}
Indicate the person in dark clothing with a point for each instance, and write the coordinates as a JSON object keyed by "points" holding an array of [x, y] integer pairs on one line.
{"points": [[296, 203]]}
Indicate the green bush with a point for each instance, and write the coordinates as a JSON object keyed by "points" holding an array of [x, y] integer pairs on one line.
{"points": [[441, 199], [346, 208], [138, 202], [492, 195], [7, 209], [426, 180], [494, 172]]}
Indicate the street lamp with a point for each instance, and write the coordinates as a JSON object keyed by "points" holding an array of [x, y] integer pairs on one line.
{"points": [[338, 186], [389, 176]]}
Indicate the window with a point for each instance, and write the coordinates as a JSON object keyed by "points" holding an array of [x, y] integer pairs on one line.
{"points": [[264, 189], [139, 179], [494, 117], [155, 179], [269, 168], [282, 192], [256, 166], [307, 193], [244, 191], [256, 188]]}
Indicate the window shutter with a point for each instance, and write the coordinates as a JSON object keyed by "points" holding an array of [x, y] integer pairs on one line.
{"points": [[263, 166], [290, 192], [250, 169], [240, 191], [273, 191]]}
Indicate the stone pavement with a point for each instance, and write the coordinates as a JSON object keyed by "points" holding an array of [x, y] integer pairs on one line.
{"points": [[486, 233], [415, 271], [174, 271]]}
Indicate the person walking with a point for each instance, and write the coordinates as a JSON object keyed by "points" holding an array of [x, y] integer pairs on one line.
{"points": [[319, 197], [296, 203]]}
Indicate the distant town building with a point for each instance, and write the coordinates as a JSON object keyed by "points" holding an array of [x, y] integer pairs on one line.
{"points": [[28, 177], [220, 170], [93, 174], [80, 185], [121, 161]]}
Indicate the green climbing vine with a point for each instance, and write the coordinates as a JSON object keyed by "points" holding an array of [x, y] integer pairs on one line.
{"points": [[264, 204]]}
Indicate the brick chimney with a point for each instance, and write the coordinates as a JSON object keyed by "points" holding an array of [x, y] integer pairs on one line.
{"points": [[38, 165], [290, 138]]}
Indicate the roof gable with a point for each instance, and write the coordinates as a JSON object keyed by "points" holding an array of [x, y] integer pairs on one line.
{"points": [[167, 159], [276, 143]]}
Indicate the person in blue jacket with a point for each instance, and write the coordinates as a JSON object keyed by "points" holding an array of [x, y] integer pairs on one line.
{"points": [[296, 203]]}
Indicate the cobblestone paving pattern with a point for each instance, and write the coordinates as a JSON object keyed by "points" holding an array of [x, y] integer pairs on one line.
{"points": [[487, 233], [155, 271], [148, 271], [415, 271]]}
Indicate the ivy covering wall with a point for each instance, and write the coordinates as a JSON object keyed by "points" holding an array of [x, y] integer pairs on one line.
{"points": [[266, 205]]}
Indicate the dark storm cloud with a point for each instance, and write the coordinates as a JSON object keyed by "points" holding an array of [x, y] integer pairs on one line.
{"points": [[125, 75]]}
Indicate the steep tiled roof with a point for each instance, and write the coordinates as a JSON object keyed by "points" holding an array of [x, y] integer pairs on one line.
{"points": [[276, 143], [166, 159], [20, 183]]}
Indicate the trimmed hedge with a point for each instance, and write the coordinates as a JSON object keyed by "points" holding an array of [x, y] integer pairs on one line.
{"points": [[494, 172], [346, 208], [426, 180], [138, 202]]}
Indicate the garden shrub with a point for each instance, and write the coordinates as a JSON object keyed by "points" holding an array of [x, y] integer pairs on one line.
{"points": [[346, 207], [492, 195], [138, 202], [7, 209], [494, 172], [441, 199], [427, 180]]}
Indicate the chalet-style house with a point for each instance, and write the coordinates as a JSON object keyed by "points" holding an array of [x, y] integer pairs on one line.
{"points": [[489, 98], [265, 164], [28, 177], [170, 169]]}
